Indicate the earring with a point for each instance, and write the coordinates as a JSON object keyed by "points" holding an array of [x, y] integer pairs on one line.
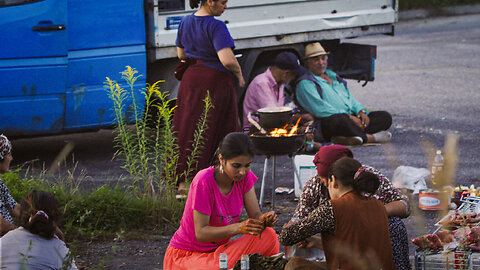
{"points": [[221, 168]]}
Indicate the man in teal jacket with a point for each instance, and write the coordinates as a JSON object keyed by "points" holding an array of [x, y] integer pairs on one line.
{"points": [[341, 118]]}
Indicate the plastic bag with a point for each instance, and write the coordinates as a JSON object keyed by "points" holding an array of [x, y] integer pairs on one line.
{"points": [[411, 178]]}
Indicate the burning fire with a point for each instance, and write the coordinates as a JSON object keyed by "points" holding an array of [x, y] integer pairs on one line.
{"points": [[283, 132]]}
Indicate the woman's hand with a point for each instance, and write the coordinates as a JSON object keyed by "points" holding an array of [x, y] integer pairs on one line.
{"points": [[59, 234], [241, 81], [269, 219], [250, 226], [311, 242]]}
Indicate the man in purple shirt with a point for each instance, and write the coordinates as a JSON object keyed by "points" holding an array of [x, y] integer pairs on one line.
{"points": [[266, 89]]}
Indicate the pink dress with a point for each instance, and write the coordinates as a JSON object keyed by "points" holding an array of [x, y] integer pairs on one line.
{"points": [[186, 252]]}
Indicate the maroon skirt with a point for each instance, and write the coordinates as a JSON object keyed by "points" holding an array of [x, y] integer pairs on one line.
{"points": [[222, 118]]}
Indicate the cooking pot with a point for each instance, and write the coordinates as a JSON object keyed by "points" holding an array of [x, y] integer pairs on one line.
{"points": [[277, 146], [274, 117]]}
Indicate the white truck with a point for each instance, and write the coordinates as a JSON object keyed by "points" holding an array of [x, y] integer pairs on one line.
{"points": [[262, 29], [55, 54]]}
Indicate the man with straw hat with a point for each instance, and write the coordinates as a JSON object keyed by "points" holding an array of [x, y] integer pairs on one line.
{"points": [[341, 118]]}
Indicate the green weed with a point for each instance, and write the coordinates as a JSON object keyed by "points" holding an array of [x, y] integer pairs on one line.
{"points": [[149, 151]]}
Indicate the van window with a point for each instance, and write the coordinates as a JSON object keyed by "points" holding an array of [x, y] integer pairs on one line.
{"points": [[6, 3]]}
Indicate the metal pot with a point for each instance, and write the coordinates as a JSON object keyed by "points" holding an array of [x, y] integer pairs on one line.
{"points": [[277, 146], [274, 117]]}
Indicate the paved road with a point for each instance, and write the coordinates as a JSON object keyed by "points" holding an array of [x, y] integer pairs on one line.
{"points": [[427, 76]]}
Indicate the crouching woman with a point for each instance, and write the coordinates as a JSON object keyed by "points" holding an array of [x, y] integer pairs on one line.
{"points": [[354, 227], [213, 209], [34, 245]]}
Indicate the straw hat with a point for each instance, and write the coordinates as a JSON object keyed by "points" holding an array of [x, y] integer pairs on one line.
{"points": [[314, 49]]}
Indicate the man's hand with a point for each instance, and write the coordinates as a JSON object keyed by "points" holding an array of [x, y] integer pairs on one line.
{"points": [[364, 117], [306, 117], [357, 121]]}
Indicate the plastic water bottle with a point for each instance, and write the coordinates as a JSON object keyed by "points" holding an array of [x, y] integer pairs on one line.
{"points": [[309, 146], [245, 263], [437, 166], [223, 261]]}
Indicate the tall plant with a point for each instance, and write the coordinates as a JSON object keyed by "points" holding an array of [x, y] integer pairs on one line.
{"points": [[150, 152], [198, 139]]}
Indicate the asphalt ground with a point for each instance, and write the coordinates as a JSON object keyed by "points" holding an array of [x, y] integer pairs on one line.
{"points": [[427, 76]]}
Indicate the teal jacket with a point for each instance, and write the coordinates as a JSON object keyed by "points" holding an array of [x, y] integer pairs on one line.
{"points": [[327, 99]]}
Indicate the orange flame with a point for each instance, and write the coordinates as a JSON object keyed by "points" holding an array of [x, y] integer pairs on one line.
{"points": [[279, 132]]}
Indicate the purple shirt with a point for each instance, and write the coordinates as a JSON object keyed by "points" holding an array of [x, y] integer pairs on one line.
{"points": [[262, 92], [205, 197], [202, 37]]}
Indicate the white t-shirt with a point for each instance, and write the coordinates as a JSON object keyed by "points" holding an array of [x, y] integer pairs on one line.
{"points": [[38, 252]]}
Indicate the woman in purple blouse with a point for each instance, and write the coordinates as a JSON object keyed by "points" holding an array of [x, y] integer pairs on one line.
{"points": [[205, 42]]}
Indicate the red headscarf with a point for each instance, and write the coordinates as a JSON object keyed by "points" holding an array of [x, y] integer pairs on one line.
{"points": [[327, 155]]}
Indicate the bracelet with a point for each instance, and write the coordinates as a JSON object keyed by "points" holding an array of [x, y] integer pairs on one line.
{"points": [[407, 209], [361, 111]]}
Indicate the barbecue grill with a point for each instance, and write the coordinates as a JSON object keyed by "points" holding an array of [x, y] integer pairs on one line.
{"points": [[277, 145]]}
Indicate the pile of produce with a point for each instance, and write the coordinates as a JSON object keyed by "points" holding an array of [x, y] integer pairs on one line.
{"points": [[465, 237], [258, 262], [456, 219]]}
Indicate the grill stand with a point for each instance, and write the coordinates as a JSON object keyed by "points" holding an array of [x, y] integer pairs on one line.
{"points": [[265, 166]]}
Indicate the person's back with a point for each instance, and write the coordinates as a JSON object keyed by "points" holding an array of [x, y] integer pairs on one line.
{"points": [[201, 37], [361, 234], [35, 245], [21, 249]]}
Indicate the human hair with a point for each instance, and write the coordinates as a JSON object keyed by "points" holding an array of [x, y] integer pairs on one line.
{"points": [[39, 212], [235, 144], [197, 3], [345, 170], [5, 147]]}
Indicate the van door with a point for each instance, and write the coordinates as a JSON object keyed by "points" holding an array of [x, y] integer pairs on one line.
{"points": [[104, 37], [33, 66]]}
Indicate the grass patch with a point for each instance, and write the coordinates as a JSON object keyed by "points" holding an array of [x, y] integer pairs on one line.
{"points": [[104, 211]]}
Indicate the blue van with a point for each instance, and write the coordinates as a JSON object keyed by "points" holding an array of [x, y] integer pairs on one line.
{"points": [[54, 57]]}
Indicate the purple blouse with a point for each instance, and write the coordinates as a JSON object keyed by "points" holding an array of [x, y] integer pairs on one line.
{"points": [[202, 37]]}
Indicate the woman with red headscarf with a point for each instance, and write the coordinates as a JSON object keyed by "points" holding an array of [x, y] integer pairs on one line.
{"points": [[396, 203], [352, 238]]}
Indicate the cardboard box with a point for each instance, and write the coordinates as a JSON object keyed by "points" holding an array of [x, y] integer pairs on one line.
{"points": [[306, 170]]}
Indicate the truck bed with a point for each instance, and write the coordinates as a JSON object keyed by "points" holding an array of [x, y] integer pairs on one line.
{"points": [[279, 22]]}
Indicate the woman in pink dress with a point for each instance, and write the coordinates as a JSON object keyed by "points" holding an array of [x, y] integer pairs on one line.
{"points": [[213, 210]]}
